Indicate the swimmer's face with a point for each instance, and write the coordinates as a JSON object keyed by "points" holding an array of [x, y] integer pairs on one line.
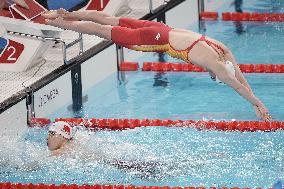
{"points": [[55, 141]]}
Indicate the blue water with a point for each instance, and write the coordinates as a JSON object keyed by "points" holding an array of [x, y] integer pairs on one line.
{"points": [[263, 6], [179, 96], [170, 156], [252, 42]]}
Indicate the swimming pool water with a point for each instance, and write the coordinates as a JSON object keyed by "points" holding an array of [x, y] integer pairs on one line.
{"points": [[263, 6], [179, 96], [252, 42], [174, 157]]}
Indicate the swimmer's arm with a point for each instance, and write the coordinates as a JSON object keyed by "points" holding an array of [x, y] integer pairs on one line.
{"points": [[238, 73], [144, 167], [232, 81], [87, 15], [103, 31], [32, 166], [224, 75], [240, 76], [94, 16]]}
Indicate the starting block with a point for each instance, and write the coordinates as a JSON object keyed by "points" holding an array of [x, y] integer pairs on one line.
{"points": [[23, 43], [24, 37]]}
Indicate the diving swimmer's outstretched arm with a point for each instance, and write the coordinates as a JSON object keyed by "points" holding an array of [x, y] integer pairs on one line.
{"points": [[86, 27], [223, 74], [240, 76], [87, 15]]}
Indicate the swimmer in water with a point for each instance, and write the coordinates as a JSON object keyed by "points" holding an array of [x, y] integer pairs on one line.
{"points": [[60, 141], [150, 36], [59, 134], [4, 4]]}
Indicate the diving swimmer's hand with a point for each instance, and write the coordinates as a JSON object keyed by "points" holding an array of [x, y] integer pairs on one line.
{"points": [[262, 112], [60, 13], [53, 14], [58, 22]]}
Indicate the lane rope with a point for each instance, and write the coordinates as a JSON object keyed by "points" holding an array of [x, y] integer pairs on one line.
{"points": [[9, 185], [121, 124], [185, 67], [245, 16]]}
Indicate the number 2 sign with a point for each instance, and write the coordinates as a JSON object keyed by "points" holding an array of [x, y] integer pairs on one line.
{"points": [[10, 51]]}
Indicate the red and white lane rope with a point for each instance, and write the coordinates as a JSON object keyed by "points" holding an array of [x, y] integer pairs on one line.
{"points": [[246, 16], [120, 124], [9, 185], [184, 67]]}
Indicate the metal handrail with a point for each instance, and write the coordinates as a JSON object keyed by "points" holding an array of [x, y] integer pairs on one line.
{"points": [[64, 45], [30, 105], [151, 10], [81, 44], [201, 8], [151, 6], [119, 60]]}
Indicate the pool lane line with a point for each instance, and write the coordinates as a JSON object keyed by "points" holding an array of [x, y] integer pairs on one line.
{"points": [[245, 16], [185, 67], [9, 185], [122, 124]]}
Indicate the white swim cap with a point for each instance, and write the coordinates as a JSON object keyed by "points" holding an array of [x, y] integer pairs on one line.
{"points": [[62, 128], [230, 67]]}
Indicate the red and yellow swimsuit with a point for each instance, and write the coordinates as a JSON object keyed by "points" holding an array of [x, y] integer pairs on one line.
{"points": [[150, 36]]}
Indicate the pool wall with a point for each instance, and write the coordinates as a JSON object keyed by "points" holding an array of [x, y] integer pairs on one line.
{"points": [[99, 67], [59, 92]]}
